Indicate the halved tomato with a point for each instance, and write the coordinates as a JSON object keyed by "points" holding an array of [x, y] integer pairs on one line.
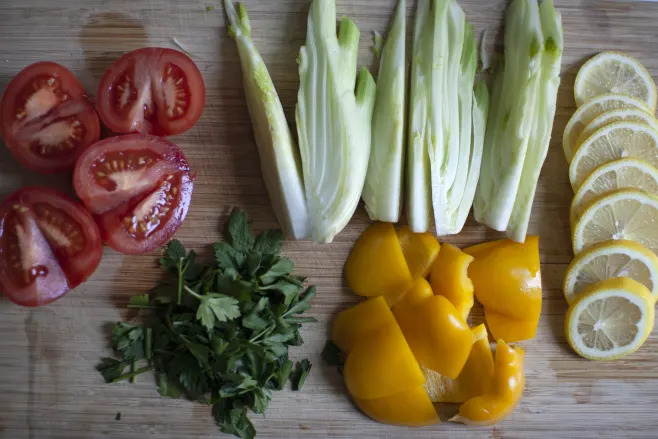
{"points": [[49, 244], [46, 119], [138, 186], [151, 90]]}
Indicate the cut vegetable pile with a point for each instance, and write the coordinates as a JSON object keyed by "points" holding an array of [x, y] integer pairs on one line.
{"points": [[611, 144], [135, 188], [219, 334], [409, 345], [351, 132]]}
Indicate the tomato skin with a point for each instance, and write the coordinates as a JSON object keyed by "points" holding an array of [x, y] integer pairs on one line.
{"points": [[116, 237], [74, 105], [112, 205], [145, 71], [39, 211]]}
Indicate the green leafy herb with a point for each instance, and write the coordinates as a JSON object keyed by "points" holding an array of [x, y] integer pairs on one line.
{"points": [[301, 372], [220, 333], [332, 356]]}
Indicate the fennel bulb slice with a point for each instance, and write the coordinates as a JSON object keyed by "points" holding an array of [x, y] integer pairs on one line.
{"points": [[480, 109], [442, 161], [419, 195], [279, 156], [540, 136], [455, 194], [445, 144], [382, 192], [333, 123], [511, 119]]}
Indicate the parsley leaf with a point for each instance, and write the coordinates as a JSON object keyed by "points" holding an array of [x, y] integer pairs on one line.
{"points": [[111, 369], [269, 242], [332, 356], [238, 232], [219, 333], [217, 306], [302, 369], [129, 340]]}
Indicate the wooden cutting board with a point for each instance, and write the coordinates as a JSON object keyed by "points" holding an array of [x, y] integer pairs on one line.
{"points": [[48, 385]]}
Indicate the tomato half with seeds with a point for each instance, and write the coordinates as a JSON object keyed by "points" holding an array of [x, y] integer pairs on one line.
{"points": [[151, 90], [49, 244], [46, 119], [138, 187]]}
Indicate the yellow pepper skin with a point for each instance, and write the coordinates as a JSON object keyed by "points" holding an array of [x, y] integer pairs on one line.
{"points": [[419, 292], [509, 328], [449, 278], [504, 393], [359, 321], [411, 408], [507, 280], [376, 265], [420, 251], [474, 379], [381, 365], [437, 334]]}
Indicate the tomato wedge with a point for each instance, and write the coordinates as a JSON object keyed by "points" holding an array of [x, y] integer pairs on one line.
{"points": [[138, 186], [46, 119], [49, 244], [151, 90]]}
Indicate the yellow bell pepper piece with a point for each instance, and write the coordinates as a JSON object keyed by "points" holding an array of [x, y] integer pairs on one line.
{"points": [[381, 365], [412, 408], [509, 328], [504, 393], [507, 280], [437, 334], [449, 278], [419, 292], [376, 265], [359, 321], [420, 251], [474, 379]]}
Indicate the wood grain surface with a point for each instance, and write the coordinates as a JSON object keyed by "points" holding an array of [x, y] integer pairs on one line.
{"points": [[48, 385]]}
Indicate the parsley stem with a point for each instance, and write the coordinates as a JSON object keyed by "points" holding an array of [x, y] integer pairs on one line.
{"points": [[191, 291], [132, 370], [149, 344], [261, 333], [180, 280], [130, 375]]}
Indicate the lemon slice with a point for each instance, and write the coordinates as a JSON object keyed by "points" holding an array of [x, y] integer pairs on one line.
{"points": [[611, 319], [614, 72], [618, 174], [627, 214], [618, 115], [615, 141], [590, 111], [611, 259]]}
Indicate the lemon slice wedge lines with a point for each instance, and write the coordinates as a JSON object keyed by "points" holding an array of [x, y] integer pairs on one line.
{"points": [[614, 141], [624, 214], [628, 173], [611, 319], [614, 72], [611, 259], [590, 111]]}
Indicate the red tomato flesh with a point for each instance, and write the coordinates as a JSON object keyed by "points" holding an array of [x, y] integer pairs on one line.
{"points": [[49, 244], [46, 120], [138, 186], [151, 90]]}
